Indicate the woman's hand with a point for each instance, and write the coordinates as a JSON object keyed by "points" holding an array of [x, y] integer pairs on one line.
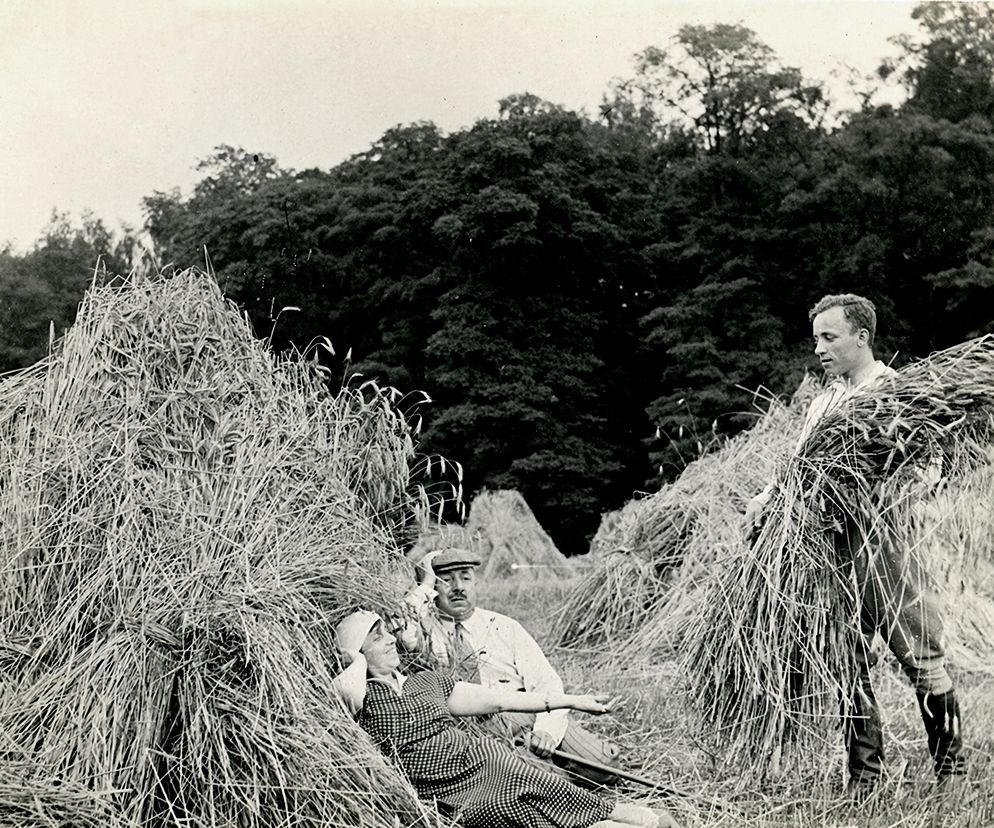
{"points": [[596, 704], [541, 743]]}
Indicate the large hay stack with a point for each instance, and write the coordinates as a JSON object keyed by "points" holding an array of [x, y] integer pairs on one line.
{"points": [[183, 517], [650, 560]]}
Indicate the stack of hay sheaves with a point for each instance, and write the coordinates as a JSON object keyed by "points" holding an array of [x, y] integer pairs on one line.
{"points": [[650, 561], [908, 461], [183, 517]]}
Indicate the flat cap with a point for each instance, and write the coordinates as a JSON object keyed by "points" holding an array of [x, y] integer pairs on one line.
{"points": [[454, 558]]}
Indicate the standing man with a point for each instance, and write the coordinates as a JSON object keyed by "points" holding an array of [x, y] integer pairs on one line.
{"points": [[483, 646], [894, 595]]}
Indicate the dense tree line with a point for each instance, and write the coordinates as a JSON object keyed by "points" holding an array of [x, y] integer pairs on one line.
{"points": [[591, 301]]}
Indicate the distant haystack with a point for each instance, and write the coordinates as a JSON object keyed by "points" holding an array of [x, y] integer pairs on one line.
{"points": [[504, 531], [510, 538]]}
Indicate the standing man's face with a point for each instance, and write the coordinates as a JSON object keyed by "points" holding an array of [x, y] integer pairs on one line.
{"points": [[456, 590], [840, 348]]}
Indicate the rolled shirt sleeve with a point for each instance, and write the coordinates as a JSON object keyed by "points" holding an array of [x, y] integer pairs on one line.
{"points": [[420, 599]]}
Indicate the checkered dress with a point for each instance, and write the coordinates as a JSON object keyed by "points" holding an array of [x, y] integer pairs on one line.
{"points": [[480, 781]]}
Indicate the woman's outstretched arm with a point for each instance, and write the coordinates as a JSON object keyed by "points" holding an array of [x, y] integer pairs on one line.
{"points": [[468, 699]]}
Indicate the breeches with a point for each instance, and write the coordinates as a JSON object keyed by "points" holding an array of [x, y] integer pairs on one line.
{"points": [[896, 599]]}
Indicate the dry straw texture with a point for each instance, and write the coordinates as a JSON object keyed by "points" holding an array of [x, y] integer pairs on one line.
{"points": [[183, 517], [770, 655], [651, 559]]}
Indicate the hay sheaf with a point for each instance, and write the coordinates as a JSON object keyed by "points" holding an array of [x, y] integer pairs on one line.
{"points": [[771, 653], [650, 559], [183, 517]]}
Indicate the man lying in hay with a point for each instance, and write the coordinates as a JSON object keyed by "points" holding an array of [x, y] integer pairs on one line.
{"points": [[480, 645], [892, 592], [477, 780]]}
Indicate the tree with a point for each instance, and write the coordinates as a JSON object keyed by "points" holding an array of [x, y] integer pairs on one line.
{"points": [[948, 68], [721, 80], [534, 350], [897, 209], [41, 290], [723, 263]]}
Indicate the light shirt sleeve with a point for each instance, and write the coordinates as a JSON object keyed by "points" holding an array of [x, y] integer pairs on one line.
{"points": [[539, 676], [510, 659], [816, 410], [420, 599]]}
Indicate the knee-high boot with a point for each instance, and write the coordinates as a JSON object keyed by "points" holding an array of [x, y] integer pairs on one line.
{"points": [[864, 739]]}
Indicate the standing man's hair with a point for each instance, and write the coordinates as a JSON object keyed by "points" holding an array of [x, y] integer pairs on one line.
{"points": [[858, 311]]}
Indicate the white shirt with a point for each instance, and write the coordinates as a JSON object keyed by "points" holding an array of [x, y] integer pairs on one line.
{"points": [[508, 657], [837, 393]]}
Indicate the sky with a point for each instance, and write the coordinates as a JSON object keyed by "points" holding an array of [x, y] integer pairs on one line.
{"points": [[103, 102]]}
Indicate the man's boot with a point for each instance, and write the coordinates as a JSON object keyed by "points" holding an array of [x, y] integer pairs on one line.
{"points": [[941, 716], [864, 739]]}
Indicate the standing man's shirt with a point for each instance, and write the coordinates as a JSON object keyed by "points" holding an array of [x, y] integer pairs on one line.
{"points": [[838, 392], [508, 657]]}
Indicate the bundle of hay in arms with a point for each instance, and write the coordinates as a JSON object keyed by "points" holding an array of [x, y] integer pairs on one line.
{"points": [[644, 581], [183, 518], [769, 657]]}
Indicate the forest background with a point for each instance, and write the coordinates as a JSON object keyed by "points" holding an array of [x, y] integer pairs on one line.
{"points": [[593, 300]]}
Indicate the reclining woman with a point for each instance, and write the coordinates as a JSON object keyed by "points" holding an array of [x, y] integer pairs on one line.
{"points": [[479, 781]]}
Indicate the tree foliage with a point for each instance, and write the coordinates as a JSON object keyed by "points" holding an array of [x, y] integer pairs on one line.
{"points": [[41, 289], [592, 302], [721, 81]]}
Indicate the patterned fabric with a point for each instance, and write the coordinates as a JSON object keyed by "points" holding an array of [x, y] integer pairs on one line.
{"points": [[481, 782]]}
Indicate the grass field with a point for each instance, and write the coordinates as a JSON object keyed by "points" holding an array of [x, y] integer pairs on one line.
{"points": [[663, 741]]}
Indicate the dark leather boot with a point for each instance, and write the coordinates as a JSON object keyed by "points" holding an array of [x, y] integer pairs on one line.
{"points": [[941, 716], [864, 739]]}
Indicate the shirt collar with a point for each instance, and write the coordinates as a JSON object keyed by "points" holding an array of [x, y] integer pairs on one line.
{"points": [[878, 370], [449, 620]]}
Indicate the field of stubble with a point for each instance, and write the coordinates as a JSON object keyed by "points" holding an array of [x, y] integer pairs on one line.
{"points": [[662, 739]]}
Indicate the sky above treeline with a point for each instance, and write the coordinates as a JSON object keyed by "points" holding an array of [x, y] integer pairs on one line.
{"points": [[103, 102]]}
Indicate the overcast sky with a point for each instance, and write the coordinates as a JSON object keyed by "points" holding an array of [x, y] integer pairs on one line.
{"points": [[103, 102]]}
